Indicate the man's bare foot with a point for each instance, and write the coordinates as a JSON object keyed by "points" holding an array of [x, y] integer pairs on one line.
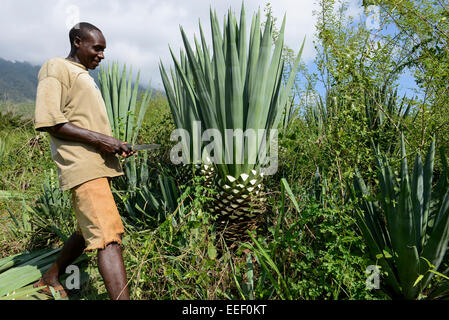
{"points": [[53, 283]]}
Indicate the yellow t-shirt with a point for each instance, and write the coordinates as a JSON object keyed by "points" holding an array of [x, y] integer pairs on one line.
{"points": [[67, 93]]}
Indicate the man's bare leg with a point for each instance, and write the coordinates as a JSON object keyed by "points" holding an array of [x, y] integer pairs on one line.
{"points": [[112, 269], [71, 250]]}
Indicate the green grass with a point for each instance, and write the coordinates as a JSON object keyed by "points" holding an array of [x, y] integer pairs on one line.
{"points": [[24, 164], [23, 109]]}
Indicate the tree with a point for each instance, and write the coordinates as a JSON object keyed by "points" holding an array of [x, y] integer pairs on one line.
{"points": [[422, 31]]}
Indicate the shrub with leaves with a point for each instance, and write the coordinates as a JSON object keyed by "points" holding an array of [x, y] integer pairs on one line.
{"points": [[312, 252]]}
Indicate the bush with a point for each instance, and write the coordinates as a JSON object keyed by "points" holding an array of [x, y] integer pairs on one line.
{"points": [[316, 253]]}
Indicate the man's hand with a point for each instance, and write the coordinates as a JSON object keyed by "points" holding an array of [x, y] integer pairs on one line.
{"points": [[129, 152], [111, 145]]}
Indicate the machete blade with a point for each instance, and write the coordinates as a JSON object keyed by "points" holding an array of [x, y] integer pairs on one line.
{"points": [[149, 146]]}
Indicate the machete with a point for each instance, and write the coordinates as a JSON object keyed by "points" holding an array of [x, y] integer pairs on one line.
{"points": [[138, 147]]}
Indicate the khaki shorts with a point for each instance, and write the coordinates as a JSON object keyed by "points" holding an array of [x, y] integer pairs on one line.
{"points": [[96, 213]]}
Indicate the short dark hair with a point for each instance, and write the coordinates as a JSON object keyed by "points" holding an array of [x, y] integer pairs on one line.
{"points": [[80, 30]]}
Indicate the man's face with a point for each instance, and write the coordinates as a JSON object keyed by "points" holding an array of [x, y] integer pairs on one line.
{"points": [[90, 49]]}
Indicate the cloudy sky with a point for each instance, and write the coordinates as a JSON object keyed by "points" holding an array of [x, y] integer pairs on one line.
{"points": [[137, 32]]}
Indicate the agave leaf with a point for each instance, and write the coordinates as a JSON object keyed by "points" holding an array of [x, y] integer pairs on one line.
{"points": [[115, 97], [131, 122], [25, 293], [142, 111], [376, 236], [388, 199], [233, 83], [173, 104], [253, 52], [203, 95], [286, 90], [199, 55], [122, 107], [20, 258], [427, 187], [275, 74], [243, 47], [436, 245], [418, 199], [184, 81], [104, 85], [26, 272], [234, 93], [219, 72], [381, 258], [129, 116], [257, 100], [208, 68], [187, 108], [371, 216], [404, 229]]}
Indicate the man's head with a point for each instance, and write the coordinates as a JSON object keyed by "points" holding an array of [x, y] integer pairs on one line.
{"points": [[87, 44]]}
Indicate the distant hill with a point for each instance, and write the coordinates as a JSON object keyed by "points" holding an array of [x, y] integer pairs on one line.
{"points": [[18, 81]]}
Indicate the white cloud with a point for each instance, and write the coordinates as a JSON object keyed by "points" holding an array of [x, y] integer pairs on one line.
{"points": [[137, 32]]}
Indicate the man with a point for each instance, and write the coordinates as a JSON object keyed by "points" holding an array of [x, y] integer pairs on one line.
{"points": [[70, 108]]}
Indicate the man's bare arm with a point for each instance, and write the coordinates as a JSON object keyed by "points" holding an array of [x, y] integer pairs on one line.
{"points": [[101, 142]]}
